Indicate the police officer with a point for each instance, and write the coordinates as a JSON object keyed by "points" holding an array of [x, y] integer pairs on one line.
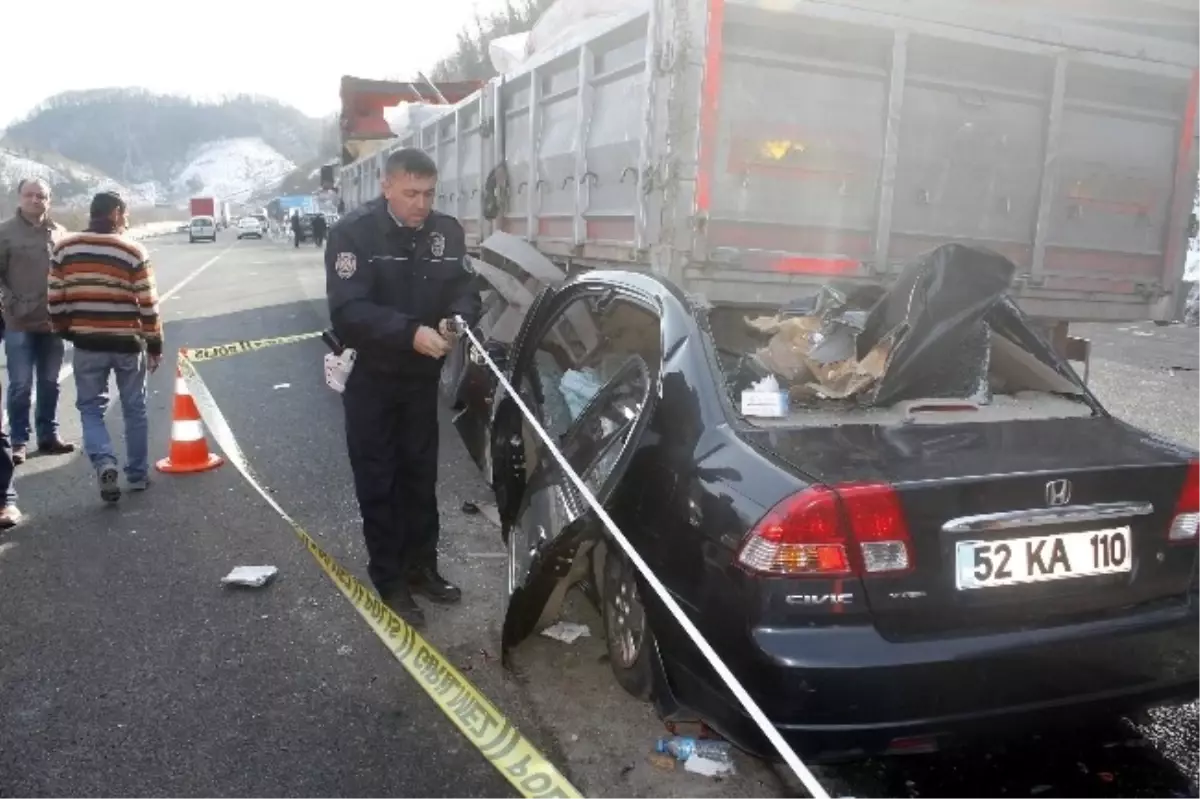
{"points": [[395, 275]]}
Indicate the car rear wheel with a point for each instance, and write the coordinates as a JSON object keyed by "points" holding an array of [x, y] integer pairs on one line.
{"points": [[626, 630]]}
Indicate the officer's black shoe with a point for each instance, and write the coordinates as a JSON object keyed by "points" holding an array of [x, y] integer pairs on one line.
{"points": [[428, 583], [401, 602]]}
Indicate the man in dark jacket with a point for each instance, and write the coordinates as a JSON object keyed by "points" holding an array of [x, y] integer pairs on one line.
{"points": [[297, 229], [319, 228], [396, 274]]}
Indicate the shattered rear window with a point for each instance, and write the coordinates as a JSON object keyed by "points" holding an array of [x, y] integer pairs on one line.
{"points": [[944, 336]]}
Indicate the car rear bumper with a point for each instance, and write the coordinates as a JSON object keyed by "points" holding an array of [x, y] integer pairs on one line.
{"points": [[847, 691]]}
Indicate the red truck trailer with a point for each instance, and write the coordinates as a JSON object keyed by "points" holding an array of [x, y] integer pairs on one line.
{"points": [[203, 206], [203, 224]]}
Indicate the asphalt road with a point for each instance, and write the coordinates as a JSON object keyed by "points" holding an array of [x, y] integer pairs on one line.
{"points": [[126, 669]]}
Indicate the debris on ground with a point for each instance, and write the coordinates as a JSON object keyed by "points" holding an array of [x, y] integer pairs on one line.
{"points": [[706, 758], [250, 576], [278, 386], [662, 762], [707, 767], [567, 632], [487, 509]]}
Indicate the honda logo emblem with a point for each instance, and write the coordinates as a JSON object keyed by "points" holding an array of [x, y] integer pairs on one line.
{"points": [[1058, 492]]}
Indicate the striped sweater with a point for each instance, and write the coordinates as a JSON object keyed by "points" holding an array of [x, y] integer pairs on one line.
{"points": [[102, 294]]}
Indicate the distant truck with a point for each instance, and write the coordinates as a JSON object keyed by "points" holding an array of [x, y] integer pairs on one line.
{"points": [[203, 206], [226, 217]]}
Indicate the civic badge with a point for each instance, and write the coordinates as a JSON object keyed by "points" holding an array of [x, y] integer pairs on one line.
{"points": [[345, 265], [1058, 492], [437, 244]]}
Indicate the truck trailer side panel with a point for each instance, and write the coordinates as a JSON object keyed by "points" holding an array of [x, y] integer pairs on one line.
{"points": [[752, 148]]}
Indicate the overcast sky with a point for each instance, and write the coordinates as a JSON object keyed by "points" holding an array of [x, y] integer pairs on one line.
{"points": [[293, 51]]}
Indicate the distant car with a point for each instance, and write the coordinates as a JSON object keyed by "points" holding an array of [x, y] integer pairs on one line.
{"points": [[202, 228], [249, 228]]}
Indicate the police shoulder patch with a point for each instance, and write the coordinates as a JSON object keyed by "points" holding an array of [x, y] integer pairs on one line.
{"points": [[437, 244], [345, 265]]}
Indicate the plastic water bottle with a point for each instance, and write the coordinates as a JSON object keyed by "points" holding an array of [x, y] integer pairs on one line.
{"points": [[683, 748]]}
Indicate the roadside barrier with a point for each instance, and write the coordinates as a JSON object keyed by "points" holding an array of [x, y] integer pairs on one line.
{"points": [[481, 722]]}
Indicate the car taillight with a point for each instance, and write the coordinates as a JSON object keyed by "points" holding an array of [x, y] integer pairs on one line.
{"points": [[1187, 508], [849, 528]]}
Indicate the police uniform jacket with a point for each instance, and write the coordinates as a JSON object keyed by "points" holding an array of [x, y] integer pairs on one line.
{"points": [[384, 281]]}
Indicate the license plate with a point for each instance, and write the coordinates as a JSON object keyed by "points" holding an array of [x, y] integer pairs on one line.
{"points": [[1013, 561]]}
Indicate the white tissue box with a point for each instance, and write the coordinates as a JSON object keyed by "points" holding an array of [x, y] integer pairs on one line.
{"points": [[770, 404]]}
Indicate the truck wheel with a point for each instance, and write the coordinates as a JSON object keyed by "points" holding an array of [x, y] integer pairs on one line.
{"points": [[626, 631]]}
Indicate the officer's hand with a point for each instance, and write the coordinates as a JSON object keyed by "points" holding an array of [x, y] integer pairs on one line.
{"points": [[152, 362], [446, 332], [429, 342]]}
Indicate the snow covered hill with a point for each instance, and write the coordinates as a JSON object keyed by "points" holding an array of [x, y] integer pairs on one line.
{"points": [[231, 169], [73, 184]]}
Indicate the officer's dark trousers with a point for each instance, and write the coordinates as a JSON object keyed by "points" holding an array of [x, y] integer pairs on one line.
{"points": [[392, 437]]}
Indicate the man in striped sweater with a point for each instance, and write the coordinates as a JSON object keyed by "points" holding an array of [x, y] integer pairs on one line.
{"points": [[103, 299]]}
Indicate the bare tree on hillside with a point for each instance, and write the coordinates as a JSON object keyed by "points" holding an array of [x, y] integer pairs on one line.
{"points": [[470, 59]]}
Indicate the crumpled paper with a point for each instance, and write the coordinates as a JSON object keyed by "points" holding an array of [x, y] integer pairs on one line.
{"points": [[250, 576], [567, 632]]}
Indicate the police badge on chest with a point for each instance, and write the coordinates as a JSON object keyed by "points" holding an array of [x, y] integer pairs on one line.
{"points": [[345, 265], [437, 244]]}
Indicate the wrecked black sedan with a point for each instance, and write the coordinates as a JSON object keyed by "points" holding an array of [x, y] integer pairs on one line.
{"points": [[896, 513]]}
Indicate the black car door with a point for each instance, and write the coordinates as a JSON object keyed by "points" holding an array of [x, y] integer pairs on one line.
{"points": [[594, 411]]}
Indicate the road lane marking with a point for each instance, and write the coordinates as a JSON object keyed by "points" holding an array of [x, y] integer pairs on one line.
{"points": [[195, 274]]}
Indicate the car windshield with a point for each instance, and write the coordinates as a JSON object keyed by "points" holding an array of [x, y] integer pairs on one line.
{"points": [[943, 336], [200, 223]]}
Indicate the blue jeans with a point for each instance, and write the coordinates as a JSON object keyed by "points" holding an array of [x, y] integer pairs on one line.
{"points": [[91, 387], [30, 355]]}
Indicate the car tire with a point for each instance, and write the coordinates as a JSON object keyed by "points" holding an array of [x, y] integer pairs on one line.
{"points": [[1162, 322], [627, 632]]}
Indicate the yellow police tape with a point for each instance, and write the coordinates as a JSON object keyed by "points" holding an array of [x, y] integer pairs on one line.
{"points": [[478, 719], [201, 354]]}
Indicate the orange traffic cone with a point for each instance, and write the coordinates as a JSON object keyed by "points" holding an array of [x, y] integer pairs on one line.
{"points": [[189, 449]]}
